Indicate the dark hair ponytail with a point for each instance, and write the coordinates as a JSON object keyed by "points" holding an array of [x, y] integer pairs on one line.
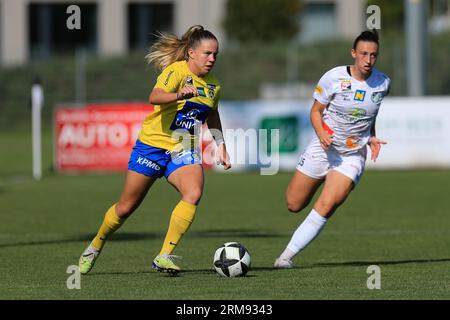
{"points": [[371, 36]]}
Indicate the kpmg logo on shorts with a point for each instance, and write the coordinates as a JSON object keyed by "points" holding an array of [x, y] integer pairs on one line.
{"points": [[359, 95], [148, 163]]}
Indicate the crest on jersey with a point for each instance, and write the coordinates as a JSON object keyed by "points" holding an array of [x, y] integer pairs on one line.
{"points": [[189, 81], [211, 93], [211, 90], [346, 85], [377, 97]]}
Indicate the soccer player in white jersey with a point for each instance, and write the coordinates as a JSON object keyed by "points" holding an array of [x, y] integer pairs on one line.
{"points": [[347, 100]]}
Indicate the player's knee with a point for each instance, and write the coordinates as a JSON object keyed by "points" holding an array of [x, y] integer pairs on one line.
{"points": [[193, 196], [294, 206], [125, 208]]}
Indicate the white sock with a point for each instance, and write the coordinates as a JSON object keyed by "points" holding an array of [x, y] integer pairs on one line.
{"points": [[305, 233]]}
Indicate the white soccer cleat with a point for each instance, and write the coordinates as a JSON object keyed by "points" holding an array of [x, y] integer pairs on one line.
{"points": [[283, 264]]}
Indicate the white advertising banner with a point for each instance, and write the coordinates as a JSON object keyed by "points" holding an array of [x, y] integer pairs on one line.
{"points": [[255, 130], [417, 131]]}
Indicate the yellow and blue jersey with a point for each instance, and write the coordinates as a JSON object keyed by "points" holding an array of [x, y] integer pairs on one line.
{"points": [[184, 115]]}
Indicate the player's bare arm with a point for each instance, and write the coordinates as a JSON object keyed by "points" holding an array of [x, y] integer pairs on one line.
{"points": [[215, 125], [317, 123], [159, 96]]}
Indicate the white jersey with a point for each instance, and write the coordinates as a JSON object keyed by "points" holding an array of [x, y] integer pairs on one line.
{"points": [[352, 106]]}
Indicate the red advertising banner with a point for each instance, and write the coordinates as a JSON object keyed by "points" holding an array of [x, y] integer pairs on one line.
{"points": [[97, 137]]}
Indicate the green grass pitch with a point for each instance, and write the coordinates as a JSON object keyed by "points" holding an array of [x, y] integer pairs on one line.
{"points": [[397, 220]]}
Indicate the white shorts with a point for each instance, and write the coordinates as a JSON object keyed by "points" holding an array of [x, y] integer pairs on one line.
{"points": [[316, 162]]}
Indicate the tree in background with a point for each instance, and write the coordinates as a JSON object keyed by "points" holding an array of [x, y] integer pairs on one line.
{"points": [[392, 15], [262, 20]]}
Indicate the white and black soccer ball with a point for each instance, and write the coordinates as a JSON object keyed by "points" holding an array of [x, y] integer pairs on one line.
{"points": [[232, 259]]}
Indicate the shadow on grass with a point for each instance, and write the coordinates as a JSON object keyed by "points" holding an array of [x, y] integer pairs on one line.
{"points": [[210, 271], [255, 270], [81, 238], [376, 262], [133, 236]]}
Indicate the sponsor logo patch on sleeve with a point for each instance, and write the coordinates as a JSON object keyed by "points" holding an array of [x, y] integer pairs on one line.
{"points": [[318, 89]]}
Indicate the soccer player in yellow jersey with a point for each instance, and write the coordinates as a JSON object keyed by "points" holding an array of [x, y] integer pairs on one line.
{"points": [[185, 96]]}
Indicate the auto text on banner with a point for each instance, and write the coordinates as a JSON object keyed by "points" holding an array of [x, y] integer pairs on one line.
{"points": [[97, 137]]}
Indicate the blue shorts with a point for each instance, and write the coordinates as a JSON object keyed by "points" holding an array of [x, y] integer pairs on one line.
{"points": [[157, 162]]}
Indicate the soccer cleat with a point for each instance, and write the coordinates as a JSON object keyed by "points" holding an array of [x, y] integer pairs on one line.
{"points": [[164, 263], [87, 260], [283, 264]]}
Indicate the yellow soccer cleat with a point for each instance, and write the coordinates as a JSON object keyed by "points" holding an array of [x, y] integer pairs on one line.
{"points": [[87, 260], [164, 263]]}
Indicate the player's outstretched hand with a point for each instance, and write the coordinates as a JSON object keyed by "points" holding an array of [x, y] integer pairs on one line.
{"points": [[325, 139], [375, 147], [222, 156]]}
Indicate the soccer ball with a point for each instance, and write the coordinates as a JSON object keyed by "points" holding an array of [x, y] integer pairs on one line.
{"points": [[232, 259]]}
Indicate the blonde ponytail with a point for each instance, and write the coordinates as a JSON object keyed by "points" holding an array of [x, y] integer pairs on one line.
{"points": [[168, 48]]}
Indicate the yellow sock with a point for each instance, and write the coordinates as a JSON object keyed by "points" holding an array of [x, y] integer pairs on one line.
{"points": [[110, 224], [181, 219]]}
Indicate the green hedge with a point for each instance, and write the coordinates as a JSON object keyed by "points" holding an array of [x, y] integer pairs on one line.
{"points": [[241, 69]]}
